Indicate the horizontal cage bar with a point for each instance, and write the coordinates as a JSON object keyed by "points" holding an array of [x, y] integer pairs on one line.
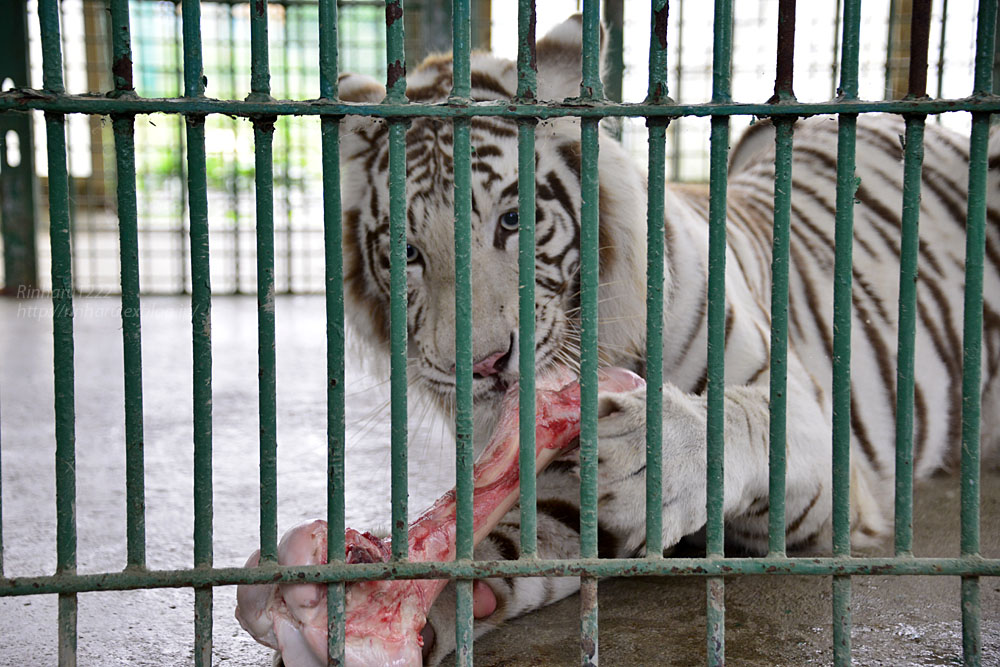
{"points": [[600, 567], [24, 100]]}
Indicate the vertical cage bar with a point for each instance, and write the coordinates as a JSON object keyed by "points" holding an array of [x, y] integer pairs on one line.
{"points": [[263, 131], [260, 70], [263, 135], [843, 264], [909, 241], [657, 92], [396, 94], [589, 257], [715, 631], [128, 230], [395, 59], [912, 164], [334, 276], [527, 76], [716, 275], [784, 128], [461, 90], [972, 336], [62, 329], [201, 327]]}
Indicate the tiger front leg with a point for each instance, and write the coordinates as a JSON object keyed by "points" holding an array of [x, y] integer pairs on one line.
{"points": [[558, 537], [622, 472]]}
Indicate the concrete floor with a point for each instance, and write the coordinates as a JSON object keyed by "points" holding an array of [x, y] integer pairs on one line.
{"points": [[769, 621]]}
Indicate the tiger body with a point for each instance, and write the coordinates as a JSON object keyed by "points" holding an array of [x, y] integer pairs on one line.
{"points": [[622, 293]]}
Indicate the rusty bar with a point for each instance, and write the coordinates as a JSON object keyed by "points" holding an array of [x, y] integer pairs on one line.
{"points": [[786, 50], [920, 30]]}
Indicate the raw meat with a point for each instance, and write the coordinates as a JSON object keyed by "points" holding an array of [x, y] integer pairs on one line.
{"points": [[384, 618]]}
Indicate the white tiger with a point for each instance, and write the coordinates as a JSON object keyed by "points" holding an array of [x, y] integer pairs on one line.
{"points": [[364, 154]]}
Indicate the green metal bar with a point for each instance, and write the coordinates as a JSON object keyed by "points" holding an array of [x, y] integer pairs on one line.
{"points": [[396, 61], [843, 263], [527, 76], [263, 132], [201, 308], [716, 277], [996, 58], [464, 453], [128, 229], [589, 258], [657, 92], [715, 630], [590, 89], [19, 100], [654, 333], [52, 63], [658, 53], [260, 72], [594, 567], [912, 165], [909, 243], [62, 335], [972, 337], [784, 129], [62, 330], [335, 343], [396, 94], [397, 326]]}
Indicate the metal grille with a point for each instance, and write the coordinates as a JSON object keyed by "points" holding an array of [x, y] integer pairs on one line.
{"points": [[195, 109]]}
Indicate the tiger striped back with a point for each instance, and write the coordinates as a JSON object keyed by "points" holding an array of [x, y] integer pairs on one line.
{"points": [[622, 293]]}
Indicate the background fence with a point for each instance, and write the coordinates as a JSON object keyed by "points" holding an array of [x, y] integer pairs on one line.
{"points": [[160, 171]]}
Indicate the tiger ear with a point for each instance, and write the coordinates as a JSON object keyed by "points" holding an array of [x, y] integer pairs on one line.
{"points": [[354, 130], [560, 59]]}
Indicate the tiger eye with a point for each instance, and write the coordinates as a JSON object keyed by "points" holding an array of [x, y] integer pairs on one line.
{"points": [[412, 254], [510, 221]]}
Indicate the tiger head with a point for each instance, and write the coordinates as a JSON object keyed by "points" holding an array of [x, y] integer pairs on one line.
{"points": [[494, 245]]}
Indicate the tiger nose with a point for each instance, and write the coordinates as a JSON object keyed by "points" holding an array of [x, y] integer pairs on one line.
{"points": [[494, 363]]}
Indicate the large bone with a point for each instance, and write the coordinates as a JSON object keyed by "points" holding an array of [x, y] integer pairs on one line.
{"points": [[384, 618]]}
